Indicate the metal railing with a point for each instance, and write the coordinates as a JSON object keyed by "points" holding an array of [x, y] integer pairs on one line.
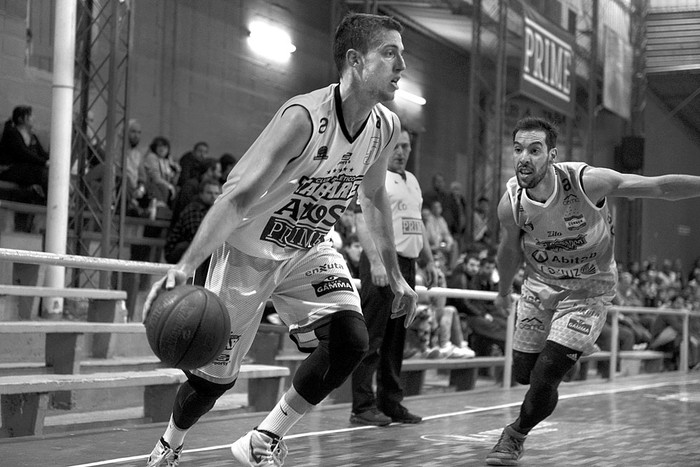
{"points": [[109, 264]]}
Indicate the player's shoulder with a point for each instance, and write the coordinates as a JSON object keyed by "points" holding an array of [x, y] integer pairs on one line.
{"points": [[389, 118], [317, 101]]}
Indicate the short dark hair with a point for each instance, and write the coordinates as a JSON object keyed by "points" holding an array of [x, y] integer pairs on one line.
{"points": [[20, 113], [159, 141], [200, 143], [536, 123], [227, 159], [357, 31], [207, 164]]}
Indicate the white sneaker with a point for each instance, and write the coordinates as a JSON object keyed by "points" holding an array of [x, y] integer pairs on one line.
{"points": [[256, 449], [163, 455], [463, 352]]}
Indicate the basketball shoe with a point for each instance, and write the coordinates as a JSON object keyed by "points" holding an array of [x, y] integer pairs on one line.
{"points": [[508, 449], [163, 455], [256, 449]]}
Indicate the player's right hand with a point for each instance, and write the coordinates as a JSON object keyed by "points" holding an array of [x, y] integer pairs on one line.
{"points": [[504, 303], [172, 278]]}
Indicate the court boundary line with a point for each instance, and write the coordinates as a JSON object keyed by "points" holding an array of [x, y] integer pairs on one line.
{"points": [[309, 434]]}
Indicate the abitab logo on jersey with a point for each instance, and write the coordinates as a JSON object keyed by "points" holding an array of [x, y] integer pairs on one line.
{"points": [[332, 284]]}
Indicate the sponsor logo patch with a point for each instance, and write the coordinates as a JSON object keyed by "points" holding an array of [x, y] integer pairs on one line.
{"points": [[579, 326], [575, 222], [332, 284], [322, 154], [532, 324]]}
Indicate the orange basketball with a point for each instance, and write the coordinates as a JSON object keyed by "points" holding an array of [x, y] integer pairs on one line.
{"points": [[187, 327]]}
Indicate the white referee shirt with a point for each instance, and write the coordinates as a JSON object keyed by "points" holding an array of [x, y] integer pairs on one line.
{"points": [[406, 201]]}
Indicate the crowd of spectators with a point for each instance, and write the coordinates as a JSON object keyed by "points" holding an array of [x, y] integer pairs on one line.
{"points": [[453, 328]]}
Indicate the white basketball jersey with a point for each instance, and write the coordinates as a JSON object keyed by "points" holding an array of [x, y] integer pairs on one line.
{"points": [[314, 188], [567, 240]]}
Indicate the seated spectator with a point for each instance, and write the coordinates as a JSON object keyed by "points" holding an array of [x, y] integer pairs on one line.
{"points": [[23, 160], [351, 251], [190, 161], [438, 232], [438, 333], [210, 170], [227, 162], [137, 202], [161, 172], [181, 233], [486, 322]]}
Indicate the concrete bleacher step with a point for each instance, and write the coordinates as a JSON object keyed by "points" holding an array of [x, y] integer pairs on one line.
{"points": [[68, 421]]}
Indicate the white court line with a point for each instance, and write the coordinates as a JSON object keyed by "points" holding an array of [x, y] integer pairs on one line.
{"points": [[430, 417]]}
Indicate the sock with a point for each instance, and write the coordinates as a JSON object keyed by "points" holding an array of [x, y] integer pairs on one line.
{"points": [[281, 419], [174, 436]]}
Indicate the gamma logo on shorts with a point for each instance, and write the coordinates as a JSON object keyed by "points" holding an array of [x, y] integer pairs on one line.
{"points": [[332, 284], [579, 326]]}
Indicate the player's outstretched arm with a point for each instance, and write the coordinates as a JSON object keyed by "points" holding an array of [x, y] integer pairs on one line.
{"points": [[599, 182]]}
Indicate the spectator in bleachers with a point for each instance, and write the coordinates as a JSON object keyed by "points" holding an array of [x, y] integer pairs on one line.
{"points": [[486, 323], [209, 170], [450, 210], [480, 228], [460, 212], [181, 232], [161, 172], [133, 169], [23, 160], [190, 161], [352, 251], [438, 232], [447, 331], [228, 162]]}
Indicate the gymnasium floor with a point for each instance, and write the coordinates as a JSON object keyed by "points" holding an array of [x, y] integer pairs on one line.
{"points": [[646, 420]]}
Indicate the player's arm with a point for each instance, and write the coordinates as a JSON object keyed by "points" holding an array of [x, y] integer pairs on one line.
{"points": [[377, 215], [377, 269], [280, 142], [599, 182], [509, 256]]}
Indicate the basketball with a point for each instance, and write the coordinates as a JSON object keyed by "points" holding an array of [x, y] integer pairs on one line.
{"points": [[187, 327]]}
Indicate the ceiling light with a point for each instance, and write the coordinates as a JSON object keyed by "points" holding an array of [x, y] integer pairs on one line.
{"points": [[410, 97], [270, 41]]}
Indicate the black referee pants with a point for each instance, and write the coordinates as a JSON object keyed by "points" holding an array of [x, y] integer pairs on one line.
{"points": [[386, 343]]}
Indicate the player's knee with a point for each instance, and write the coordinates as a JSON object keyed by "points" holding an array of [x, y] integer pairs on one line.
{"points": [[347, 344], [196, 397], [523, 363], [207, 388], [556, 360], [348, 334]]}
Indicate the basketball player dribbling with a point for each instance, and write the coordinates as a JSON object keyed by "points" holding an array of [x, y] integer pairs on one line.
{"points": [[266, 232], [555, 218]]}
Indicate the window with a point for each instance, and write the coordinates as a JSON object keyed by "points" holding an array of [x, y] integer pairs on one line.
{"points": [[40, 32]]}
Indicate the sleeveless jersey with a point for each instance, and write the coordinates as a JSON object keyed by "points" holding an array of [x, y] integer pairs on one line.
{"points": [[406, 200], [314, 189], [567, 241]]}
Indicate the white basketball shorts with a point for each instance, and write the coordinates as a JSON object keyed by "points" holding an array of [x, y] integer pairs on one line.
{"points": [[305, 289]]}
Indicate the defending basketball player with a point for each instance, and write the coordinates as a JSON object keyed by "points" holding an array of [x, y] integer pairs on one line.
{"points": [[268, 229], [555, 218]]}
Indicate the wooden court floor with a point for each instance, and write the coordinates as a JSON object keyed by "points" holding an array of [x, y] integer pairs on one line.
{"points": [[646, 420]]}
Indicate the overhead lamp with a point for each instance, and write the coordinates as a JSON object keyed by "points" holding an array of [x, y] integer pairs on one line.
{"points": [[270, 41], [410, 97]]}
